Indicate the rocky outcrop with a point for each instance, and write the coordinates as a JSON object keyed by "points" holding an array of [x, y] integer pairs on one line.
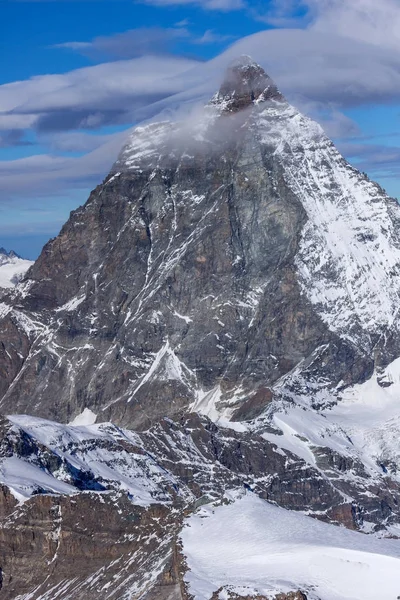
{"points": [[187, 462], [77, 547]]}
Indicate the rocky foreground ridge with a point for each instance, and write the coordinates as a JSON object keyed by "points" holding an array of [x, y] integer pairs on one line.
{"points": [[219, 319]]}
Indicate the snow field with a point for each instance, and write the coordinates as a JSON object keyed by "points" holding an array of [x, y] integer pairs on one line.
{"points": [[253, 546]]}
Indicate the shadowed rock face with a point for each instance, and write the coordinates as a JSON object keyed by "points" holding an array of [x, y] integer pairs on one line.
{"points": [[245, 82]]}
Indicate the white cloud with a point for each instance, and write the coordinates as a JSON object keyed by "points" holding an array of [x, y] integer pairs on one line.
{"points": [[130, 44], [108, 85], [371, 21], [91, 96], [222, 5]]}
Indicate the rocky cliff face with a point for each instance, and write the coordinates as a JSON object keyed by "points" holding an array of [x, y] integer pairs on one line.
{"points": [[230, 292]]}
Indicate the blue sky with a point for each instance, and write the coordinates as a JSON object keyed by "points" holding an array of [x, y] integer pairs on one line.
{"points": [[77, 75]]}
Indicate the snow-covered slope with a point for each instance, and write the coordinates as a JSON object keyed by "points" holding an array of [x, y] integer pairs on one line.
{"points": [[362, 424], [349, 256], [93, 453], [12, 268], [251, 547]]}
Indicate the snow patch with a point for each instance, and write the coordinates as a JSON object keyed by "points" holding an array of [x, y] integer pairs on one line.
{"points": [[166, 366], [71, 304], [87, 417]]}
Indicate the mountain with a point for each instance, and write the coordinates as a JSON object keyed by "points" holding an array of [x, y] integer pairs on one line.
{"points": [[221, 255], [217, 327], [12, 268], [11, 254]]}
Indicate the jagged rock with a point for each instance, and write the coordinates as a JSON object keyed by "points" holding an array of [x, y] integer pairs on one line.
{"points": [[80, 545]]}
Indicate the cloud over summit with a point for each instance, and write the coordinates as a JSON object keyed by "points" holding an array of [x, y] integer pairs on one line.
{"points": [[328, 57]]}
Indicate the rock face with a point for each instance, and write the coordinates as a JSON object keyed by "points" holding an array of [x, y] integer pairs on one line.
{"points": [[102, 507], [84, 545], [229, 293]]}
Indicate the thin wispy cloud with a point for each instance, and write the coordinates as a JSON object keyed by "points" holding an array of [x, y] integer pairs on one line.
{"points": [[222, 5], [75, 141], [44, 174], [130, 44], [211, 37], [12, 138], [88, 98]]}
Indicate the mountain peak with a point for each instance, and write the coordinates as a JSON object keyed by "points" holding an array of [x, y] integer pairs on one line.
{"points": [[244, 61], [10, 254], [245, 82]]}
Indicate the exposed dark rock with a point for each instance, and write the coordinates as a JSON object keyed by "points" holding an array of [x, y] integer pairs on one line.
{"points": [[298, 595], [80, 544]]}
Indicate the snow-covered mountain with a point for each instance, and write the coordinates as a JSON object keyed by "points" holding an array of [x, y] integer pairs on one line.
{"points": [[217, 327], [12, 268]]}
